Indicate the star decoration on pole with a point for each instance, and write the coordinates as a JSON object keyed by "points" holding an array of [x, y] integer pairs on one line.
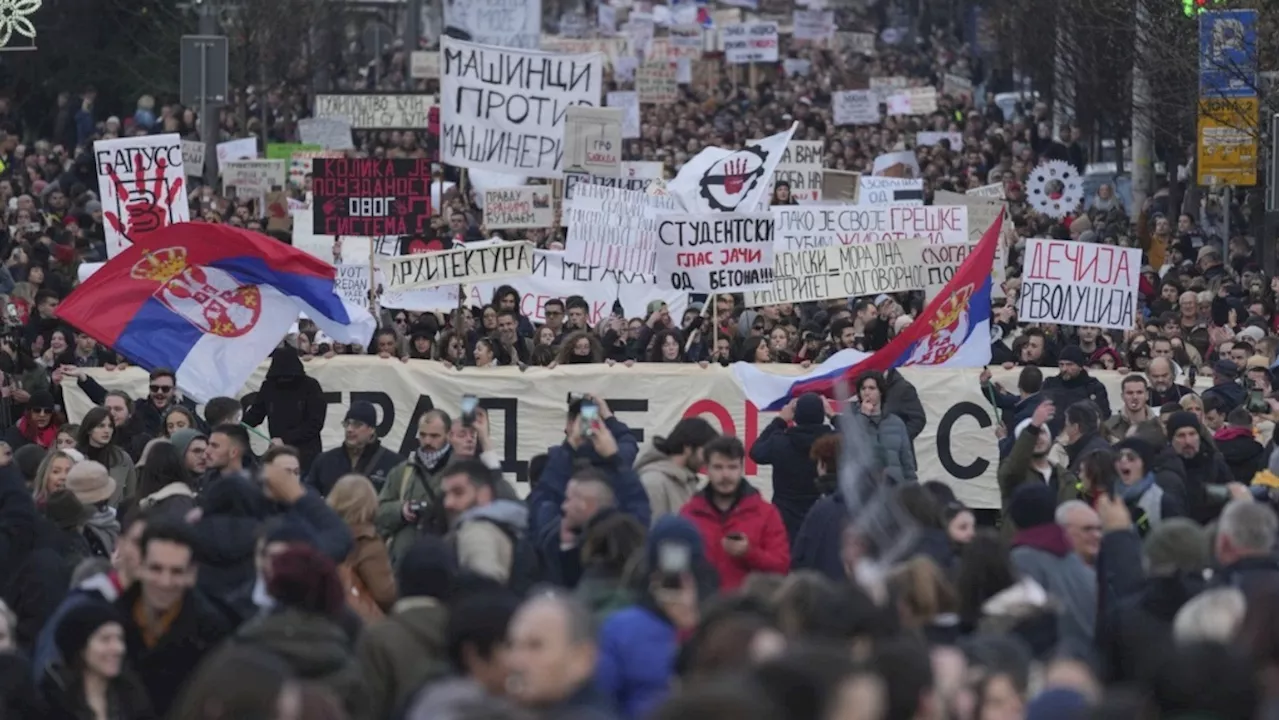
{"points": [[15, 19]]}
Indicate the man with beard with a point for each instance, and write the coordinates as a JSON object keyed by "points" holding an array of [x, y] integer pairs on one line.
{"points": [[1207, 473], [487, 531], [1074, 384], [1028, 462], [1080, 433], [1163, 388], [741, 532]]}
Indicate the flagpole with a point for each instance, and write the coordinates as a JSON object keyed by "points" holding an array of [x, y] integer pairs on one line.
{"points": [[373, 280]]}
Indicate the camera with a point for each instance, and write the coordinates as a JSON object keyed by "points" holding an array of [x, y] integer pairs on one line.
{"points": [[418, 507]]}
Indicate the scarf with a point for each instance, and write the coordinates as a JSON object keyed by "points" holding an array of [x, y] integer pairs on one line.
{"points": [[431, 458], [42, 437], [1131, 493]]}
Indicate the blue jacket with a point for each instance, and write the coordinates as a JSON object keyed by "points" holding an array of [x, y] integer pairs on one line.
{"points": [[637, 654], [544, 500], [817, 545]]}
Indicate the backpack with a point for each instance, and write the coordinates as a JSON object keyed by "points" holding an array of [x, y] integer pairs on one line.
{"points": [[526, 566]]}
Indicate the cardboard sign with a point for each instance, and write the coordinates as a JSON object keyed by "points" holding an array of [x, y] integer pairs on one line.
{"points": [[879, 191], [656, 83], [801, 168], [519, 207], [143, 185], [456, 267], [424, 65], [491, 119], [855, 107], [843, 272], [716, 252], [1074, 283], [751, 42], [930, 138], [593, 140], [327, 133], [193, 157], [375, 112], [614, 228], [254, 176], [371, 197], [798, 227]]}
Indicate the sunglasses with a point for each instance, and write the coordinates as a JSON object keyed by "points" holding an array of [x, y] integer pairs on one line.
{"points": [[161, 388]]}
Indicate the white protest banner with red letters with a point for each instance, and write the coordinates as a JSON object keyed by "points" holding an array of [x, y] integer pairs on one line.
{"points": [[1074, 283]]}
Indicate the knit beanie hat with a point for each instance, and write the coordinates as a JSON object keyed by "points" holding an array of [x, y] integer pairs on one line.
{"points": [[810, 409], [79, 624], [182, 439], [427, 569], [1143, 449], [1032, 505], [1179, 420], [28, 459], [1058, 704], [672, 529], [1176, 545]]}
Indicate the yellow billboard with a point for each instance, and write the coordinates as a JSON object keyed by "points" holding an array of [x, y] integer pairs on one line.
{"points": [[1227, 142]]}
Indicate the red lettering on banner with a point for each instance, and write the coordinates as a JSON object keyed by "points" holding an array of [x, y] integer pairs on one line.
{"points": [[693, 259], [1071, 262], [707, 406]]}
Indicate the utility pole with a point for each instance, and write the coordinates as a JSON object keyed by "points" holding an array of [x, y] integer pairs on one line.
{"points": [[1141, 142], [208, 13], [1271, 218], [412, 27]]}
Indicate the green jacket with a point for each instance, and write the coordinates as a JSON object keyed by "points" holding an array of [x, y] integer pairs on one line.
{"points": [[410, 481], [1015, 470], [402, 653]]}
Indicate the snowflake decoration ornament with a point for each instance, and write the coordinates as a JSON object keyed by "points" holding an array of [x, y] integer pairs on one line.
{"points": [[1054, 189], [15, 19]]}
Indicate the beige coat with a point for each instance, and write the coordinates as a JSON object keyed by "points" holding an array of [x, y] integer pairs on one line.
{"points": [[668, 485]]}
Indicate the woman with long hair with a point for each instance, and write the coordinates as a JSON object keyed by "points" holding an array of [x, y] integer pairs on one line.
{"points": [[51, 476], [264, 688], [756, 350], [39, 423], [304, 628], [92, 682], [611, 546], [366, 574], [177, 418], [580, 347], [164, 485], [96, 441], [667, 347]]}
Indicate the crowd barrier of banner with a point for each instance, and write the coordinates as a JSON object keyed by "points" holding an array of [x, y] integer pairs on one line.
{"points": [[527, 409]]}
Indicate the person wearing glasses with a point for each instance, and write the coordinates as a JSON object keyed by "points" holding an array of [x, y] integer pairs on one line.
{"points": [[38, 425], [150, 410]]}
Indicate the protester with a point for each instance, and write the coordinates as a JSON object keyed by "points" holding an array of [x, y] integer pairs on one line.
{"points": [[786, 447], [292, 404], [366, 576], [669, 467], [361, 453]]}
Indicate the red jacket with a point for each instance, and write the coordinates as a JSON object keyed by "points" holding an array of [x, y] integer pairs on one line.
{"points": [[768, 550]]}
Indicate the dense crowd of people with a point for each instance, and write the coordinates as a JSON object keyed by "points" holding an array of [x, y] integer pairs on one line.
{"points": [[151, 565]]}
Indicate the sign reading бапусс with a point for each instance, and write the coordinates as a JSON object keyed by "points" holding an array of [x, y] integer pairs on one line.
{"points": [[369, 197]]}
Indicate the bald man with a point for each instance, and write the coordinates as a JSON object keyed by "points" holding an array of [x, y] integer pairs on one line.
{"points": [[1161, 374], [552, 659]]}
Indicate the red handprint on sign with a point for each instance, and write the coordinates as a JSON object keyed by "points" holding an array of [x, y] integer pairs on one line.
{"points": [[148, 205]]}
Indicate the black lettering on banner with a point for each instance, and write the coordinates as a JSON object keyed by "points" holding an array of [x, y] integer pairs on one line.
{"points": [[458, 266], [511, 462], [945, 430], [506, 107], [1077, 304], [369, 197], [126, 160], [681, 281], [383, 401], [639, 405]]}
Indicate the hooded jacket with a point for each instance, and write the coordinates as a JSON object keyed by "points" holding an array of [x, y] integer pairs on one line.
{"points": [[668, 485], [483, 537], [403, 652], [1231, 393], [1244, 455], [316, 648], [786, 448], [292, 403], [892, 438], [233, 511], [768, 550]]}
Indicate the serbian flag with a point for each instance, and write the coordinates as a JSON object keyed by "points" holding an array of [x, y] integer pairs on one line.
{"points": [[210, 302], [953, 331]]}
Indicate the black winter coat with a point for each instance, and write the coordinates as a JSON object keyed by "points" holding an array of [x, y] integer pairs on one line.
{"points": [[17, 520], [227, 534], [293, 405], [794, 474], [375, 462], [1065, 393], [818, 542], [901, 399], [40, 582], [1243, 455], [1206, 468], [199, 626]]}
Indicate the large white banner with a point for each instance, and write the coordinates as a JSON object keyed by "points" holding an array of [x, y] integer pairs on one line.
{"points": [[555, 277], [503, 110], [526, 409], [506, 23], [1075, 283], [797, 227], [143, 185], [614, 228]]}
